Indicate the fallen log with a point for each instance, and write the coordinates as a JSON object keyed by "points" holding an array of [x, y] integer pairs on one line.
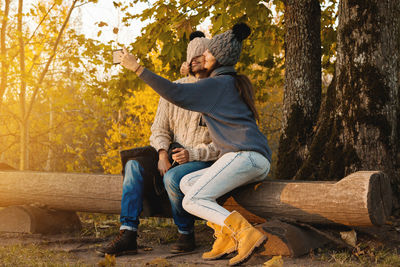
{"points": [[360, 199], [363, 198]]}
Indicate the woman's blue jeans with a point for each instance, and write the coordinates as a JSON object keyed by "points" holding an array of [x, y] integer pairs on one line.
{"points": [[132, 194]]}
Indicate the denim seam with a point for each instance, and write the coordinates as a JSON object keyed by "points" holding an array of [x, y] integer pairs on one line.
{"points": [[253, 162], [193, 178], [210, 208], [236, 155]]}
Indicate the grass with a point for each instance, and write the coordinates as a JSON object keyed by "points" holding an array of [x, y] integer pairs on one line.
{"points": [[31, 255], [363, 255]]}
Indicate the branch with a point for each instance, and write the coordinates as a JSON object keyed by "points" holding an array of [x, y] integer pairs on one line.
{"points": [[46, 68], [40, 23], [7, 148]]}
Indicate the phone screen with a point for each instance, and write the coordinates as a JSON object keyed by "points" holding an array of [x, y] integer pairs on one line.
{"points": [[116, 57]]}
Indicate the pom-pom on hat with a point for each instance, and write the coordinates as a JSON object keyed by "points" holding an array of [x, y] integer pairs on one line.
{"points": [[197, 45], [226, 47]]}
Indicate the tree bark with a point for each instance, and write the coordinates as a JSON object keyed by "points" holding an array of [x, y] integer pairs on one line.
{"points": [[359, 128], [361, 199], [302, 91], [368, 100]]}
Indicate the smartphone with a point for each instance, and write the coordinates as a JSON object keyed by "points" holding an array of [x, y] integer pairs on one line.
{"points": [[116, 56]]}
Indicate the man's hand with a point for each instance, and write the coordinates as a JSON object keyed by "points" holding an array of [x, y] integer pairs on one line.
{"points": [[185, 69], [163, 163], [180, 155]]}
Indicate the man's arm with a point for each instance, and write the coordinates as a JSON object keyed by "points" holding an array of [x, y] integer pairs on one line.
{"points": [[161, 135]]}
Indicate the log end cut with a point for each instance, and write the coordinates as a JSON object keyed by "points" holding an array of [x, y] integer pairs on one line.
{"points": [[379, 198], [35, 220]]}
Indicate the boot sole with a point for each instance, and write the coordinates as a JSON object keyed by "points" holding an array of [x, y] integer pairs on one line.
{"points": [[181, 251], [127, 252], [259, 243], [229, 251]]}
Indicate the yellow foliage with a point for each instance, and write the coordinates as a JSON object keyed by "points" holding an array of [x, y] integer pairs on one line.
{"points": [[132, 128]]}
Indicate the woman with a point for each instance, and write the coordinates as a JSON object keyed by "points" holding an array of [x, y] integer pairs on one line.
{"points": [[225, 100]]}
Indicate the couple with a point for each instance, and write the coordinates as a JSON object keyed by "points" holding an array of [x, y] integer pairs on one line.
{"points": [[225, 101]]}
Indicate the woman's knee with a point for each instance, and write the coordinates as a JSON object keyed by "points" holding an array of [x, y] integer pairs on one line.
{"points": [[183, 185], [188, 203]]}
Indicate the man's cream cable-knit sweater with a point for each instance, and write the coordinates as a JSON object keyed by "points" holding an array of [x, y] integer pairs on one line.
{"points": [[174, 124]]}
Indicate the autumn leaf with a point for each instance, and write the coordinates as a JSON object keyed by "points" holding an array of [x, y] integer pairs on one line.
{"points": [[109, 261], [276, 261], [102, 24]]}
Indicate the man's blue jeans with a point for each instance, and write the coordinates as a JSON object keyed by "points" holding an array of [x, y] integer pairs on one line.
{"points": [[132, 194], [172, 179]]}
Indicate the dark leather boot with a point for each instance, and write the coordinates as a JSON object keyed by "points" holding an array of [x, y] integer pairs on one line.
{"points": [[124, 244], [185, 243]]}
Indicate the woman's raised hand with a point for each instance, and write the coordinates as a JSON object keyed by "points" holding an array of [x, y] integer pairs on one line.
{"points": [[129, 61]]}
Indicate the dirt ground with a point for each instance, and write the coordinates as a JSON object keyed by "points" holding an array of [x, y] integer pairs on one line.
{"points": [[155, 239], [81, 251]]}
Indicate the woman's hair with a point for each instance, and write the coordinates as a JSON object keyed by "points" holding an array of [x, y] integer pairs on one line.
{"points": [[245, 88]]}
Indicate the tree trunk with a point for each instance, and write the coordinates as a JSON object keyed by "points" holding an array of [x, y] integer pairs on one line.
{"points": [[361, 199], [23, 164], [24, 146], [49, 160], [302, 92], [4, 63], [368, 84], [359, 128]]}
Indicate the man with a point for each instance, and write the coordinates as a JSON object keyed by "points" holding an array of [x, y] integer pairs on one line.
{"points": [[171, 124]]}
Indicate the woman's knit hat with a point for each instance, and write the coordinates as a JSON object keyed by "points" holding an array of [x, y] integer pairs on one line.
{"points": [[226, 47], [197, 45]]}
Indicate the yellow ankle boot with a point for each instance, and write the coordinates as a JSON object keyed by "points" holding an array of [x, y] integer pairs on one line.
{"points": [[248, 237], [223, 244]]}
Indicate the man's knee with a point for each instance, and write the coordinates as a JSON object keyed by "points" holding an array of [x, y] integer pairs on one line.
{"points": [[132, 164], [132, 171], [171, 181]]}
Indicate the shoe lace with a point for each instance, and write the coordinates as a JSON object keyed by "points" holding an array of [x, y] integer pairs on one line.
{"points": [[117, 239]]}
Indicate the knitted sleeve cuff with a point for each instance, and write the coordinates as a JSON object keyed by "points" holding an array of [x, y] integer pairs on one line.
{"points": [[193, 154], [160, 145]]}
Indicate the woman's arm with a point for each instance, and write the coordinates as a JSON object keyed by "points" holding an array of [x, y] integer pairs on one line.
{"points": [[200, 96]]}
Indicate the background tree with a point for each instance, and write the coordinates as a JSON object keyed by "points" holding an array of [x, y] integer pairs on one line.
{"points": [[358, 127], [56, 99], [3, 58], [302, 90]]}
